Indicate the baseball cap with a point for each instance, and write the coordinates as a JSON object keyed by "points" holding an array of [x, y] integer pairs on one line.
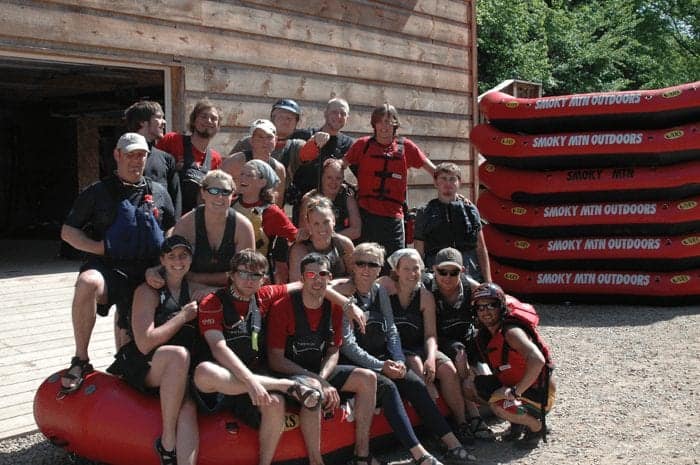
{"points": [[449, 256], [173, 242], [287, 104], [131, 141], [264, 124]]}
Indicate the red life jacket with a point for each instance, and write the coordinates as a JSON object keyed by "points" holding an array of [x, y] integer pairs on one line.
{"points": [[382, 175]]}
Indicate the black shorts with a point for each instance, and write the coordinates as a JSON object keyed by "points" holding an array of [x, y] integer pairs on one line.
{"points": [[120, 290], [133, 367]]}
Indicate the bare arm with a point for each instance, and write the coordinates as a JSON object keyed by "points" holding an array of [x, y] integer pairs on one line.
{"points": [[429, 167], [282, 186], [244, 237], [430, 332], [296, 254], [482, 255], [354, 229], [534, 360], [420, 247], [79, 240]]}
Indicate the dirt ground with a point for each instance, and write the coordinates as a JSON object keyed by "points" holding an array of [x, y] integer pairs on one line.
{"points": [[629, 392]]}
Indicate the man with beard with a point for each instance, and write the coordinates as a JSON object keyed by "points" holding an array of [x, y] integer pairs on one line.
{"points": [[146, 118], [119, 222], [192, 153]]}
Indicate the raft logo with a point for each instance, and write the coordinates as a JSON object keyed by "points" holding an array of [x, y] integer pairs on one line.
{"points": [[673, 134], [518, 211], [691, 240], [687, 205], [510, 276], [490, 168], [511, 104], [291, 421], [680, 279], [522, 244], [672, 93], [507, 141]]}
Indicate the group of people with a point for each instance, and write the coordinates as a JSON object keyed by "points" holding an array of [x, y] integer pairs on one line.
{"points": [[224, 302]]}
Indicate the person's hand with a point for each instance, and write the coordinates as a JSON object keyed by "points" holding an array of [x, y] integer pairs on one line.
{"points": [[393, 370], [258, 394], [154, 278], [461, 363], [429, 371], [190, 310], [321, 138], [331, 399], [356, 314]]}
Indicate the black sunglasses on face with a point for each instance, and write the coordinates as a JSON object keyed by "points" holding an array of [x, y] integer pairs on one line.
{"points": [[488, 306], [452, 273], [249, 275], [362, 264], [218, 191]]}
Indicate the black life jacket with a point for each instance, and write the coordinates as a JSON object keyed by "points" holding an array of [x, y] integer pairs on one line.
{"points": [[450, 225], [334, 254], [409, 321], [192, 174], [244, 336], [307, 348], [206, 259], [375, 338], [455, 323], [168, 307]]}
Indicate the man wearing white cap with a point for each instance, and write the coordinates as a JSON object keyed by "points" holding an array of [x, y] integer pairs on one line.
{"points": [[263, 137], [119, 223]]}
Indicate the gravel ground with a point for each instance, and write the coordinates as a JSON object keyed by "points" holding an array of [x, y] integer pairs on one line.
{"points": [[629, 391]]}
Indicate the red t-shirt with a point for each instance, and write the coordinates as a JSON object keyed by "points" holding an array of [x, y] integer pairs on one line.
{"points": [[173, 144], [370, 161], [211, 311], [280, 322], [275, 221]]}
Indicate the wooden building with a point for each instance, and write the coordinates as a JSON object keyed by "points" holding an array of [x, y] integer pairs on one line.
{"points": [[68, 68]]}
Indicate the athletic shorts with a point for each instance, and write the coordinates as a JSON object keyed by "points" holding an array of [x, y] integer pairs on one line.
{"points": [[120, 291], [440, 357]]}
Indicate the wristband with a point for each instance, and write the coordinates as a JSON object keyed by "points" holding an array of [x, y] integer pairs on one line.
{"points": [[348, 303], [514, 390]]}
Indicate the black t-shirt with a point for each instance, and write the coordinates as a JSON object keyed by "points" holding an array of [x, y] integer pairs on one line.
{"points": [[95, 208], [161, 168]]}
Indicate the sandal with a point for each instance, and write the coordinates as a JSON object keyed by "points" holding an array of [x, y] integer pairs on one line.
{"points": [[464, 434], [307, 396], [514, 433], [167, 457], [427, 459], [75, 380], [457, 456], [480, 429]]}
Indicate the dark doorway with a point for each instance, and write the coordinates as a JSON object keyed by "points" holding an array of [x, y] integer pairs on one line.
{"points": [[58, 125]]}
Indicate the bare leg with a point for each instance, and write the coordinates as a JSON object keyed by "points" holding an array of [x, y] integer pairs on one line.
{"points": [[528, 420], [187, 442], [363, 383], [451, 391], [90, 289], [311, 431], [271, 427], [168, 371]]}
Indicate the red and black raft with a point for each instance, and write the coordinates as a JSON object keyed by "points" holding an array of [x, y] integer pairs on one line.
{"points": [[599, 149], [631, 218], [663, 253], [640, 109], [600, 286], [593, 184], [108, 421]]}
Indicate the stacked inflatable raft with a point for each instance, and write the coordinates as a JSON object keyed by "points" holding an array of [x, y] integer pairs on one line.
{"points": [[594, 197]]}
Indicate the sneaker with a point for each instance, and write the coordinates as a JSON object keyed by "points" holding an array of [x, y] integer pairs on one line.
{"points": [[530, 439], [514, 433]]}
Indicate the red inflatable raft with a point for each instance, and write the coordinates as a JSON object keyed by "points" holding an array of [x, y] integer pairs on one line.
{"points": [[589, 219], [593, 184], [595, 252], [601, 286], [108, 421], [659, 108], [588, 149]]}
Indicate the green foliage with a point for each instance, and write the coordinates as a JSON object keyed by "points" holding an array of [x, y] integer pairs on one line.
{"points": [[573, 46]]}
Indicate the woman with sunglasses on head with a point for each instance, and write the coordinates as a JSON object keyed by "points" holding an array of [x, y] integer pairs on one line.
{"points": [[257, 181], [215, 230], [320, 221], [452, 287], [157, 360], [379, 349], [333, 187]]}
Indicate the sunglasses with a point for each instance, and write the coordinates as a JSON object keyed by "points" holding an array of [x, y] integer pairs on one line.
{"points": [[452, 273], [363, 264], [489, 306], [249, 275], [218, 191], [314, 274]]}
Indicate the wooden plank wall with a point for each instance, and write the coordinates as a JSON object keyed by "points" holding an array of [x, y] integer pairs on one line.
{"points": [[244, 55]]}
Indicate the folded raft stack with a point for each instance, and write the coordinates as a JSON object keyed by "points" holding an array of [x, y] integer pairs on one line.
{"points": [[594, 197]]}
